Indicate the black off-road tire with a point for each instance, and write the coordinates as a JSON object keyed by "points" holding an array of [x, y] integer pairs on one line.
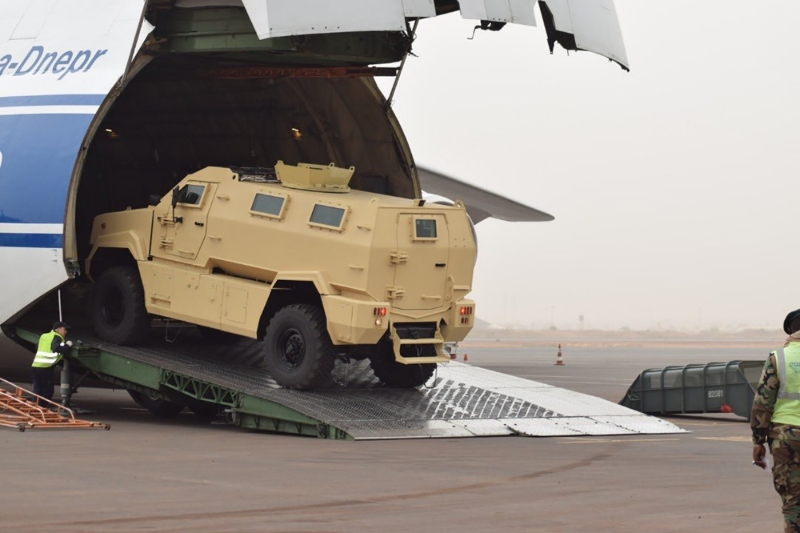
{"points": [[157, 406], [118, 310], [297, 348], [397, 375]]}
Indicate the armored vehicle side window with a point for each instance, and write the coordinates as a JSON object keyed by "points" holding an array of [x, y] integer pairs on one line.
{"points": [[425, 228], [266, 204], [327, 216], [191, 194]]}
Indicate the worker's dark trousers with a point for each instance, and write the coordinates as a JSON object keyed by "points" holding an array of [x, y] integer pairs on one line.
{"points": [[43, 382]]}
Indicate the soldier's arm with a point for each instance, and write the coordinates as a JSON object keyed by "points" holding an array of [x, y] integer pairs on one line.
{"points": [[764, 401], [59, 346]]}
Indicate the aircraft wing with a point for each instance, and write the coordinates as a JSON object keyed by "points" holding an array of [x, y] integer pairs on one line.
{"points": [[481, 204], [590, 25]]}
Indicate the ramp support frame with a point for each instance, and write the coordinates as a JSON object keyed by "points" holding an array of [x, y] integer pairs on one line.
{"points": [[246, 411]]}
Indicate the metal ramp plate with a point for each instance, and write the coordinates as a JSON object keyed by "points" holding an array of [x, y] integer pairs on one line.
{"points": [[459, 401]]}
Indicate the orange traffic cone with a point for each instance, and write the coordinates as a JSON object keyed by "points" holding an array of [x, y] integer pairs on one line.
{"points": [[559, 359], [466, 357]]}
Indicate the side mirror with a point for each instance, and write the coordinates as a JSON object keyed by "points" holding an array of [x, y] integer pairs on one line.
{"points": [[175, 193]]}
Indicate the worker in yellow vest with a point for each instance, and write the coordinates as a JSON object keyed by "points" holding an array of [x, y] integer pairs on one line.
{"points": [[775, 420], [52, 347]]}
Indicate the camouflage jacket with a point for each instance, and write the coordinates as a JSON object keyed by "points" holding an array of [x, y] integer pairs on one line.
{"points": [[764, 402]]}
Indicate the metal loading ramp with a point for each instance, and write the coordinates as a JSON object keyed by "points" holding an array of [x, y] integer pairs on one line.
{"points": [[459, 401], [697, 388]]}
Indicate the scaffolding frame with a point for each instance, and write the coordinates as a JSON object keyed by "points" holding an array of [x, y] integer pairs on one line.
{"points": [[21, 409]]}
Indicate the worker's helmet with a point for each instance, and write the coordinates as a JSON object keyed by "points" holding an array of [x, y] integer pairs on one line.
{"points": [[792, 322], [60, 324]]}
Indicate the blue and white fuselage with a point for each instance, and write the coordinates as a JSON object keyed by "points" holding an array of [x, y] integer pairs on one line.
{"points": [[61, 69], [58, 62]]}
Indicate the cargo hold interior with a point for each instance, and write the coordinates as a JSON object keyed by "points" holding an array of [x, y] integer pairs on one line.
{"points": [[205, 91], [173, 119]]}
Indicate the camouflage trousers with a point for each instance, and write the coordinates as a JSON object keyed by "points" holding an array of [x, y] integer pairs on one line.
{"points": [[785, 450]]}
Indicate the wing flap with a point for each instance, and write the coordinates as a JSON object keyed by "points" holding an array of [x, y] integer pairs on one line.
{"points": [[590, 25], [279, 18], [481, 204], [512, 11]]}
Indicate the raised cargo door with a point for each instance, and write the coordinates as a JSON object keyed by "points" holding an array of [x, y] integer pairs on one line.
{"points": [[184, 234], [421, 259]]}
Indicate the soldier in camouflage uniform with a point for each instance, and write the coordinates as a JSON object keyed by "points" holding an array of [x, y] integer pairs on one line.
{"points": [[775, 420]]}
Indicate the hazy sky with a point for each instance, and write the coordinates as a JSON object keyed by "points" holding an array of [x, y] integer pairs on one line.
{"points": [[673, 185]]}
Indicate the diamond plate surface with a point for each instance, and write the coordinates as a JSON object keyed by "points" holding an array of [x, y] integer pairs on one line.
{"points": [[642, 424], [566, 402], [485, 428], [592, 426], [403, 429], [542, 428], [459, 401]]}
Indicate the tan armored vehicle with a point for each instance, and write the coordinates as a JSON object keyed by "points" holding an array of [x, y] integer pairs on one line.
{"points": [[293, 256]]}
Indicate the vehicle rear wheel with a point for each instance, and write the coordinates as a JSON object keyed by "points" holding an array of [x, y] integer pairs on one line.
{"points": [[398, 375], [297, 349], [118, 310], [156, 406]]}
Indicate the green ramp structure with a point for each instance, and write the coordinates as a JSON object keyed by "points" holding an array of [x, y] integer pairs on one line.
{"points": [[459, 401]]}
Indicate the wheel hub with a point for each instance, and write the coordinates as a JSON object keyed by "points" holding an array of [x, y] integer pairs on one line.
{"points": [[292, 348]]}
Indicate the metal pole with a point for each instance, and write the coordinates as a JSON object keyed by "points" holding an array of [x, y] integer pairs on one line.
{"points": [[66, 379], [66, 390], [124, 79], [402, 64]]}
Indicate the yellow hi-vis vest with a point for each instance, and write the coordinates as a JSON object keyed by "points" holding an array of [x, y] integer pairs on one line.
{"points": [[787, 406], [45, 357]]}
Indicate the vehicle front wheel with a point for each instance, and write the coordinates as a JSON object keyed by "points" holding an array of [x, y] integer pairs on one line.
{"points": [[297, 348], [398, 375], [118, 310]]}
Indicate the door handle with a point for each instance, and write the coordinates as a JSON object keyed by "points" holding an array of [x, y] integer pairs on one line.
{"points": [[201, 224]]}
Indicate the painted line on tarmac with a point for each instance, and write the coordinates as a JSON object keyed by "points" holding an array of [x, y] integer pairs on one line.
{"points": [[592, 380], [583, 440], [728, 439], [700, 424]]}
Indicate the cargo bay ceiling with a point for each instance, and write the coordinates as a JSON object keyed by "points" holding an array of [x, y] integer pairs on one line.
{"points": [[248, 83]]}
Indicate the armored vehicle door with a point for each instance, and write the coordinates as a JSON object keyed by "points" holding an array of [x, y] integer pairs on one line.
{"points": [[423, 251], [183, 233]]}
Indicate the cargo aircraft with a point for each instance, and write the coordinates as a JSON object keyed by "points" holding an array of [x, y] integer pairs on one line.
{"points": [[104, 103]]}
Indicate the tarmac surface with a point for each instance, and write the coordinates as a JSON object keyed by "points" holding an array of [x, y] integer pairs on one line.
{"points": [[183, 474]]}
